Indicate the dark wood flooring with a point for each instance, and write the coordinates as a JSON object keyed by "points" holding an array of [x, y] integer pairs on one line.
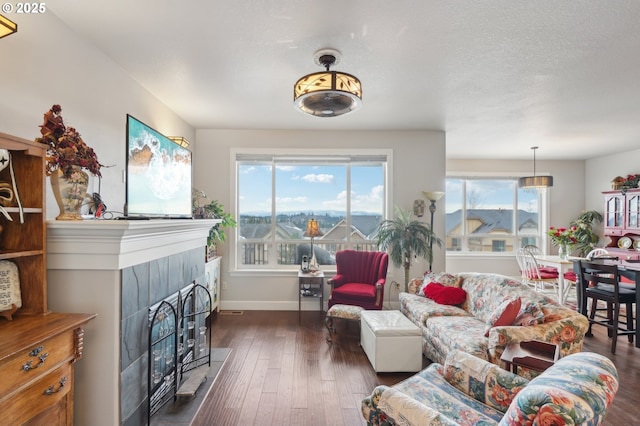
{"points": [[282, 372]]}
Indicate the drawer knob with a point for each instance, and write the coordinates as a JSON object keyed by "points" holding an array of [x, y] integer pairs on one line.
{"points": [[51, 389], [41, 356]]}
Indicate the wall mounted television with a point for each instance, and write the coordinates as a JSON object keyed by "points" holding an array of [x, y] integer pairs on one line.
{"points": [[158, 174]]}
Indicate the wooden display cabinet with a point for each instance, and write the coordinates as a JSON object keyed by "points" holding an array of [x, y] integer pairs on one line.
{"points": [[622, 220], [37, 348]]}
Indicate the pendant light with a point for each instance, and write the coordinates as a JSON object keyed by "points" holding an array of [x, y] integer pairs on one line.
{"points": [[535, 181]]}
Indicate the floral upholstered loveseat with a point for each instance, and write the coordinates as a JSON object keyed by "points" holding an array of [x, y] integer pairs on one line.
{"points": [[463, 327], [467, 390]]}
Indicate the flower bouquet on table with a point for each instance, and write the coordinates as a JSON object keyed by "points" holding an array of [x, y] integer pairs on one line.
{"points": [[564, 239]]}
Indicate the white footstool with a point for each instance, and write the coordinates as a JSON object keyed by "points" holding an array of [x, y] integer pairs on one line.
{"points": [[391, 341]]}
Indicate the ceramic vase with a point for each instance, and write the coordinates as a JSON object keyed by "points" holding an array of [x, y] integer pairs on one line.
{"points": [[69, 192]]}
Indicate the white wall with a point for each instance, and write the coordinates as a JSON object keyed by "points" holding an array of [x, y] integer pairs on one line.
{"points": [[43, 64], [418, 165], [601, 171], [566, 201]]}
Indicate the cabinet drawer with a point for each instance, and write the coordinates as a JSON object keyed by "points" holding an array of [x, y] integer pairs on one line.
{"points": [[38, 396], [616, 232], [36, 361]]}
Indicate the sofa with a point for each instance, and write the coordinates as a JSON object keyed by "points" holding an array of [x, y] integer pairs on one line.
{"points": [[469, 326], [467, 390]]}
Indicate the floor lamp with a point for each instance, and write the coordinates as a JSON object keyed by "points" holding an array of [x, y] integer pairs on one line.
{"points": [[432, 196]]}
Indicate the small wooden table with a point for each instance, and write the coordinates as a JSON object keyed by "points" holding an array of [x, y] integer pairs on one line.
{"points": [[310, 285], [532, 354]]}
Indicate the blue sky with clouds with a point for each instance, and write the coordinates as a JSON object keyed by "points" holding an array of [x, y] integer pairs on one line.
{"points": [[315, 188]]}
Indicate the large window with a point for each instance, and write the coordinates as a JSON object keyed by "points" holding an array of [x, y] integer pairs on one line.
{"points": [[491, 215], [278, 194]]}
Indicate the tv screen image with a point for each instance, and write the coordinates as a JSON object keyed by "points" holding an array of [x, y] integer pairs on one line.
{"points": [[158, 174]]}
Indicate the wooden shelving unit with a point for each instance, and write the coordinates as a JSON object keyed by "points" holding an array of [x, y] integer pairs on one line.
{"points": [[37, 348]]}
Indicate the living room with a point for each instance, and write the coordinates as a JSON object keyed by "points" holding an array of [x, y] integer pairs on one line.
{"points": [[51, 61]]}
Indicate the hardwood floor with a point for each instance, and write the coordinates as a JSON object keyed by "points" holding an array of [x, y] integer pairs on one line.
{"points": [[282, 372]]}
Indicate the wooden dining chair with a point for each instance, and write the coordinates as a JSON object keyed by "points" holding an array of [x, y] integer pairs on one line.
{"points": [[602, 282]]}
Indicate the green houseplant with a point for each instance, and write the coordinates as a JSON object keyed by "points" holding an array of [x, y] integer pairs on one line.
{"points": [[405, 238], [212, 210], [586, 238]]}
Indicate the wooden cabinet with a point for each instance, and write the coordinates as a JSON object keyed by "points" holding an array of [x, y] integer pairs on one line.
{"points": [[622, 220], [37, 348]]}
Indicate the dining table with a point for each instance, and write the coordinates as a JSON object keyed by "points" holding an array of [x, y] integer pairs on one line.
{"points": [[562, 265], [628, 269]]}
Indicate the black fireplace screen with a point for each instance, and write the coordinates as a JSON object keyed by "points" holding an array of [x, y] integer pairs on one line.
{"points": [[179, 341]]}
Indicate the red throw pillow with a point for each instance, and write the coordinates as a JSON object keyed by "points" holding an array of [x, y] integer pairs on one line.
{"points": [[505, 314], [445, 295]]}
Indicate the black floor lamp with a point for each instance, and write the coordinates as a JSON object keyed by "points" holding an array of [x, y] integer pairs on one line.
{"points": [[432, 196]]}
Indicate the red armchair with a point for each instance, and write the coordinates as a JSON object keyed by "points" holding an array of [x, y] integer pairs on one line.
{"points": [[360, 279]]}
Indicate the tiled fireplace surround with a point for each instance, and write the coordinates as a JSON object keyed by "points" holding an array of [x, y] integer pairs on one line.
{"points": [[142, 286], [118, 269]]}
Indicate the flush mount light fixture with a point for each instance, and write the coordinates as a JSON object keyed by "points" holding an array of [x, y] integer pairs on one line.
{"points": [[327, 93], [534, 181], [7, 27]]}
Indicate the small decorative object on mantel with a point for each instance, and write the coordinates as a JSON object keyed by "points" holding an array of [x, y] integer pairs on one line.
{"points": [[624, 184], [67, 155], [10, 297]]}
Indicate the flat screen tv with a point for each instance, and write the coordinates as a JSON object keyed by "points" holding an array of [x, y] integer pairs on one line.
{"points": [[158, 174]]}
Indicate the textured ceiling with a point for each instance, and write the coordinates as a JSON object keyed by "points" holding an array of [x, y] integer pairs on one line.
{"points": [[497, 76]]}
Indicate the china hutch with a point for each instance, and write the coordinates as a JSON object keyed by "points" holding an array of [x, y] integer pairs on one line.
{"points": [[622, 223], [38, 348]]}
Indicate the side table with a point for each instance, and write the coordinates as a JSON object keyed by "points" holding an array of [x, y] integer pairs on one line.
{"points": [[310, 285], [532, 354]]}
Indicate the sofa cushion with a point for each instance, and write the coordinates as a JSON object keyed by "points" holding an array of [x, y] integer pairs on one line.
{"points": [[505, 314], [530, 314], [485, 382], [418, 308], [465, 334], [445, 295], [431, 389]]}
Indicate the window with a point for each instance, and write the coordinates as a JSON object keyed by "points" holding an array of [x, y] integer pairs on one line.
{"points": [[491, 215], [278, 194]]}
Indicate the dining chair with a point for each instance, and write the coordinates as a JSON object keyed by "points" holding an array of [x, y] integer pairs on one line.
{"points": [[535, 251], [602, 282], [530, 272]]}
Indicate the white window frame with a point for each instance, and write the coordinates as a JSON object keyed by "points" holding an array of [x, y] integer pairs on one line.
{"points": [[543, 204], [303, 154]]}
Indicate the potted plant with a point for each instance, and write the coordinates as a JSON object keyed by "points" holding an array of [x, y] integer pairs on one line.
{"points": [[212, 210], [405, 238], [586, 238]]}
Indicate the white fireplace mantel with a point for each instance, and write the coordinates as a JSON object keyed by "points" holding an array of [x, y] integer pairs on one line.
{"points": [[118, 244]]}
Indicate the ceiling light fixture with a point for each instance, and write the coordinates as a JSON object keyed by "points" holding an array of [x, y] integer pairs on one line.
{"points": [[535, 181], [7, 27], [327, 93]]}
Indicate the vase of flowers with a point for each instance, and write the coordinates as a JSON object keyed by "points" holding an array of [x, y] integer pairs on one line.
{"points": [[564, 239], [67, 156]]}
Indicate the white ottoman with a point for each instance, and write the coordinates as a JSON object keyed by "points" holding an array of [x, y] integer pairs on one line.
{"points": [[392, 342]]}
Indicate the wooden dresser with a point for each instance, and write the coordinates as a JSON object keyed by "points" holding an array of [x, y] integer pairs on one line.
{"points": [[38, 348]]}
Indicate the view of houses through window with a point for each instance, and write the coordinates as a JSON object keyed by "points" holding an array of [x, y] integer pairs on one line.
{"points": [[491, 215], [277, 195]]}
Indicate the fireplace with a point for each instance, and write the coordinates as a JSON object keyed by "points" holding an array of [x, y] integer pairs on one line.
{"points": [[179, 341]]}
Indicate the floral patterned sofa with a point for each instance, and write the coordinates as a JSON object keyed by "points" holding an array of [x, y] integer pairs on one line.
{"points": [[463, 327], [467, 390]]}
